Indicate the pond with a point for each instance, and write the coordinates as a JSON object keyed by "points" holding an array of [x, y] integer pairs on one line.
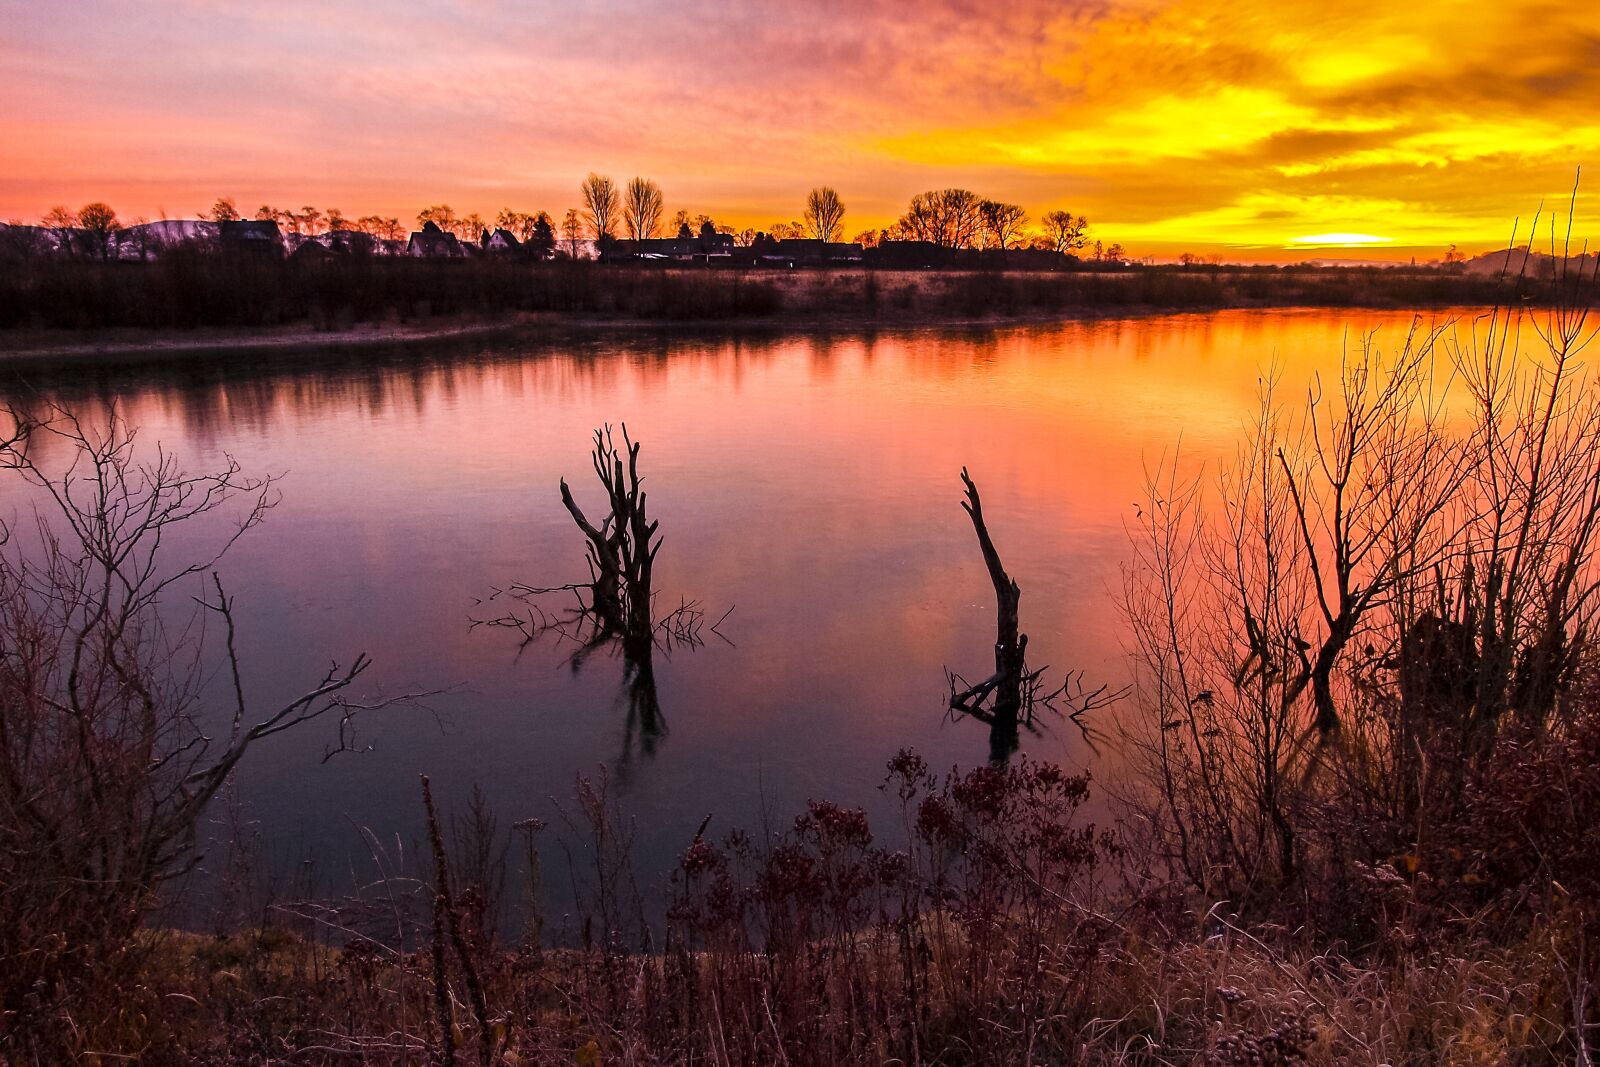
{"points": [[807, 486]]}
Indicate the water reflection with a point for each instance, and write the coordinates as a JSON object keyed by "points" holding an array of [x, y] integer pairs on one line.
{"points": [[808, 480]]}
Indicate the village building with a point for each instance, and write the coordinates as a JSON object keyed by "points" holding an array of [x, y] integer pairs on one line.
{"points": [[706, 248], [251, 236], [807, 252], [906, 255], [431, 242], [501, 240], [350, 242]]}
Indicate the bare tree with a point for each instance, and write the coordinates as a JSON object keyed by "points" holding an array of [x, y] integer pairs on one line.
{"points": [[99, 225], [961, 220], [380, 227], [441, 215], [471, 228], [1065, 231], [572, 232], [62, 223], [1002, 223], [517, 223], [824, 214], [949, 218], [1535, 530], [1326, 516], [141, 238], [641, 208], [1365, 492], [19, 241], [122, 721], [224, 210], [600, 205]]}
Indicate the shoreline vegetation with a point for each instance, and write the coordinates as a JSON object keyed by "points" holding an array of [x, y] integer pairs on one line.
{"points": [[181, 305]]}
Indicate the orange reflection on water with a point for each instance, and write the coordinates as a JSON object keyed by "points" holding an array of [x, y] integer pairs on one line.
{"points": [[808, 482]]}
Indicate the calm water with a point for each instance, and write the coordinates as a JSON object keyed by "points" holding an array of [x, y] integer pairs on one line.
{"points": [[810, 483]]}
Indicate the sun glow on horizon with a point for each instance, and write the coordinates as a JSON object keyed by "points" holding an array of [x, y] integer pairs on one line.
{"points": [[1340, 240]]}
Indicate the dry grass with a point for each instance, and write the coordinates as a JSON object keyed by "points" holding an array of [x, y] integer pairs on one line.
{"points": [[999, 931]]}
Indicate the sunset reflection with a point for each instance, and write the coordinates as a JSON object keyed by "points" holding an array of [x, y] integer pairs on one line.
{"points": [[808, 482]]}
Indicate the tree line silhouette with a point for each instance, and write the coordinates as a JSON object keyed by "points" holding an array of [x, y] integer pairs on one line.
{"points": [[953, 219]]}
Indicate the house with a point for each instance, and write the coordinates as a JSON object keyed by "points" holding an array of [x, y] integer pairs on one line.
{"points": [[716, 244], [677, 249], [906, 255], [430, 242], [350, 242], [808, 252], [251, 236], [702, 249], [501, 240]]}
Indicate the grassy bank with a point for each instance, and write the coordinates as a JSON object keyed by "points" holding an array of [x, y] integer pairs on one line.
{"points": [[992, 926]]}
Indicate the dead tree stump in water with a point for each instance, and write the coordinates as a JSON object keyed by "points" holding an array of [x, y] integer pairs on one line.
{"points": [[1010, 646], [1007, 698], [621, 555], [614, 609]]}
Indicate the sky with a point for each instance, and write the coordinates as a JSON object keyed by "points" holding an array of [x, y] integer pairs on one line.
{"points": [[1250, 129]]}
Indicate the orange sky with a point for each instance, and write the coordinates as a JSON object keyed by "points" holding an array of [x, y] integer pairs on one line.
{"points": [[1247, 128]]}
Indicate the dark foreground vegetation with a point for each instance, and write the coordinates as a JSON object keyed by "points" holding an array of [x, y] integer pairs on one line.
{"points": [[199, 286], [1359, 820]]}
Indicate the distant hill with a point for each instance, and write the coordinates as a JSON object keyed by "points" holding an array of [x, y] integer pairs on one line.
{"points": [[1514, 261], [147, 240]]}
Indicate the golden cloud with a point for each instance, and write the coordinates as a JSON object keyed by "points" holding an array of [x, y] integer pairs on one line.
{"points": [[1172, 123]]}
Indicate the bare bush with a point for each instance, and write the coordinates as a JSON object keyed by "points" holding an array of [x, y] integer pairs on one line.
{"points": [[1386, 577], [112, 742]]}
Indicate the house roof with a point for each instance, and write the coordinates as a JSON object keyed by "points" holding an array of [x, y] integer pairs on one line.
{"points": [[250, 230], [432, 241], [811, 248], [682, 246]]}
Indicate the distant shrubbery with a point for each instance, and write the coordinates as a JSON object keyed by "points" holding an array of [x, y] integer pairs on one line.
{"points": [[191, 287], [198, 285], [1178, 288]]}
